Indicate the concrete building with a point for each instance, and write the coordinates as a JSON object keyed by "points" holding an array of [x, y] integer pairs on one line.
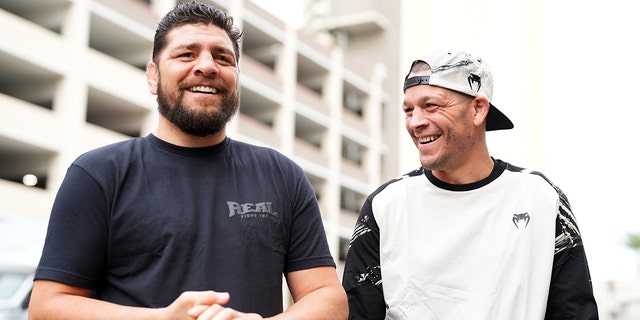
{"points": [[73, 79]]}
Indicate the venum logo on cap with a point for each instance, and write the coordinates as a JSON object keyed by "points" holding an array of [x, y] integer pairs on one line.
{"points": [[474, 79]]}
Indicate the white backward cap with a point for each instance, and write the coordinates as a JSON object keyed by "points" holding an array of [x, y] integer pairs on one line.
{"points": [[461, 72]]}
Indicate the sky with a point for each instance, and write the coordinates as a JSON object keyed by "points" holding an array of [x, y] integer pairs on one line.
{"points": [[594, 115], [592, 119], [576, 116]]}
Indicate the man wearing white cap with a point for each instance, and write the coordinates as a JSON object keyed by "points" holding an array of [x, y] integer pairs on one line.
{"points": [[465, 236]]}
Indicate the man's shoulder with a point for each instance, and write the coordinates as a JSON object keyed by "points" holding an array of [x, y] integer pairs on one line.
{"points": [[260, 152], [112, 150], [534, 178], [397, 181]]}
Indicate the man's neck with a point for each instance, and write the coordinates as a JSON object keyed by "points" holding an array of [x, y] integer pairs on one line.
{"points": [[171, 134], [467, 173]]}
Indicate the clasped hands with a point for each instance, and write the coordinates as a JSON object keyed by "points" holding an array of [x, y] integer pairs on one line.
{"points": [[206, 305]]}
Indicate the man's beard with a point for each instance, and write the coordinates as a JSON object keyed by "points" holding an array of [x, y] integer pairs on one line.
{"points": [[196, 123]]}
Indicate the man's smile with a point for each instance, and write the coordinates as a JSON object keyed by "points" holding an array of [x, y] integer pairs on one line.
{"points": [[428, 139], [203, 89]]}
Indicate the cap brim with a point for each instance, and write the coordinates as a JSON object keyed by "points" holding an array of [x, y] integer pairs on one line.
{"points": [[496, 120]]}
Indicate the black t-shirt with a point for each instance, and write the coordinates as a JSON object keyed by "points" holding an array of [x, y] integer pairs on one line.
{"points": [[141, 221]]}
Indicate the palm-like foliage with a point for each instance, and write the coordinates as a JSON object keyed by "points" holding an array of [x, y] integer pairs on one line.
{"points": [[633, 242]]}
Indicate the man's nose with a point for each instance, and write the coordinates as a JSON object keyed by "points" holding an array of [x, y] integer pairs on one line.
{"points": [[206, 65], [419, 118]]}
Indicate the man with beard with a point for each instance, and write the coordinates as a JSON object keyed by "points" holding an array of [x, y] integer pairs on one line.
{"points": [[186, 223]]}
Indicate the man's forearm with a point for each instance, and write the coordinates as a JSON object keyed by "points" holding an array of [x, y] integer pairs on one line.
{"points": [[56, 301], [326, 303], [71, 307]]}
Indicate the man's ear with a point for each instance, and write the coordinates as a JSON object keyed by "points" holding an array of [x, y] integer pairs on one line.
{"points": [[481, 110], [152, 77]]}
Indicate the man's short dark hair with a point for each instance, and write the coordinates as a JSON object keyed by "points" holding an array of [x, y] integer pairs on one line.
{"points": [[194, 12]]}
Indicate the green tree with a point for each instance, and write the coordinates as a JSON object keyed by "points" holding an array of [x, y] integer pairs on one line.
{"points": [[633, 242]]}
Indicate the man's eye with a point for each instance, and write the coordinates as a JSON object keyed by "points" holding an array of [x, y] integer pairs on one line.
{"points": [[224, 59]]}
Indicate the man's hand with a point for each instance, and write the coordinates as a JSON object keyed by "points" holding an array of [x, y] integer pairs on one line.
{"points": [[219, 312], [191, 303]]}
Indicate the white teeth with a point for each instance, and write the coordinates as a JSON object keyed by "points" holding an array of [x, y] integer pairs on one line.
{"points": [[427, 139], [203, 89]]}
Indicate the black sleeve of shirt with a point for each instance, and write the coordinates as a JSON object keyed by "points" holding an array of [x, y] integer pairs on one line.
{"points": [[75, 249], [571, 291], [362, 278]]}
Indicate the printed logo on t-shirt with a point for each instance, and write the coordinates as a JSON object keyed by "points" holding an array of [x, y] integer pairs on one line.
{"points": [[251, 210], [521, 220]]}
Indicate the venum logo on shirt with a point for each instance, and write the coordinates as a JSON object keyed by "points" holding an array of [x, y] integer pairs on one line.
{"points": [[251, 210], [521, 220]]}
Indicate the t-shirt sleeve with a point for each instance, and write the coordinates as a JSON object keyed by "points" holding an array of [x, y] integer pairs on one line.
{"points": [[362, 277], [75, 247], [570, 291], [308, 247]]}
